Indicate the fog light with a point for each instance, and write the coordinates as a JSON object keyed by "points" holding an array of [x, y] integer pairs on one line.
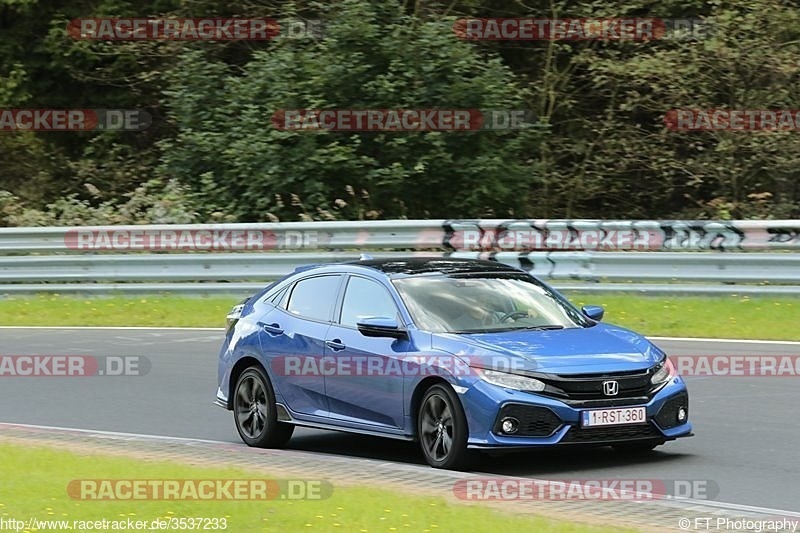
{"points": [[681, 414], [509, 425]]}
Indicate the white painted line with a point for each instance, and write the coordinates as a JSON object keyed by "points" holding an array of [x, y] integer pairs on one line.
{"points": [[737, 507], [741, 341], [11, 425], [145, 328]]}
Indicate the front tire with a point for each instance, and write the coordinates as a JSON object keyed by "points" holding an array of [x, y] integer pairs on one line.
{"points": [[442, 428], [255, 414]]}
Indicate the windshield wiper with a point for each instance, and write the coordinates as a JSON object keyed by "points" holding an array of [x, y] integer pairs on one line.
{"points": [[510, 328]]}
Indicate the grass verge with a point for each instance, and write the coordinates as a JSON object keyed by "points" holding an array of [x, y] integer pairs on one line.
{"points": [[162, 310], [723, 317], [735, 317], [35, 482]]}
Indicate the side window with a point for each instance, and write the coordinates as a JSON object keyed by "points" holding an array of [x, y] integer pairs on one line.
{"points": [[366, 298], [314, 297], [277, 298]]}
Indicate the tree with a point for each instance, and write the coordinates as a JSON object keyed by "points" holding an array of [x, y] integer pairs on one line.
{"points": [[370, 58]]}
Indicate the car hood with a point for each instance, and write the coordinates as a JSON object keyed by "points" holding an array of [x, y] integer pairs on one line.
{"points": [[598, 349]]}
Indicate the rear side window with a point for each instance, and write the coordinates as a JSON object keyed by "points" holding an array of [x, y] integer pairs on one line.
{"points": [[314, 297], [365, 298], [277, 298]]}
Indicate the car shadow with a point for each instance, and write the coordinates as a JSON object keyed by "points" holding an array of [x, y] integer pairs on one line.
{"points": [[546, 462], [521, 463], [354, 445]]}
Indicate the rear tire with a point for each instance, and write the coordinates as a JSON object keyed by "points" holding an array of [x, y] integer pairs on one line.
{"points": [[255, 414], [442, 428]]}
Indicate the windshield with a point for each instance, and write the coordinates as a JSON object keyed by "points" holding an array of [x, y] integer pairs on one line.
{"points": [[472, 304]]}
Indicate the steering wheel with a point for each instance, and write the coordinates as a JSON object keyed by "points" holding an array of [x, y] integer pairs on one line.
{"points": [[515, 314]]}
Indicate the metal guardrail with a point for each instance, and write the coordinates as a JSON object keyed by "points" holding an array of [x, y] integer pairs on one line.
{"points": [[444, 235], [240, 258]]}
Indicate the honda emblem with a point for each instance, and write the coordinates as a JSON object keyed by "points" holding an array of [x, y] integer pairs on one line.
{"points": [[611, 388]]}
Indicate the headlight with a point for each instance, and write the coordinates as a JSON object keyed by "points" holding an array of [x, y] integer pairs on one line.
{"points": [[511, 381], [663, 373]]}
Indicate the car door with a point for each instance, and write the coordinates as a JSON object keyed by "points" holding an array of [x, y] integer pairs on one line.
{"points": [[293, 342], [362, 384]]}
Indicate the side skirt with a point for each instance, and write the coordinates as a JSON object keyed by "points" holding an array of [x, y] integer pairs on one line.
{"points": [[285, 416]]}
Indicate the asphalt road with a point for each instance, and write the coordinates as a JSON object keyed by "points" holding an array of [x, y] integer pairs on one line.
{"points": [[746, 431]]}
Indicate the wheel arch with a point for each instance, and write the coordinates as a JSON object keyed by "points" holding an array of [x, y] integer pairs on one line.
{"points": [[416, 399], [241, 365]]}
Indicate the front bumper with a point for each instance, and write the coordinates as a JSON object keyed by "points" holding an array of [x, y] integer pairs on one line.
{"points": [[546, 422]]}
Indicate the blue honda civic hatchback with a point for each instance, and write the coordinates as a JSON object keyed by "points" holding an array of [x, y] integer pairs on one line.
{"points": [[456, 354]]}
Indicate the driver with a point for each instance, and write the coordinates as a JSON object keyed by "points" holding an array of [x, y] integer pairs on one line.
{"points": [[473, 316]]}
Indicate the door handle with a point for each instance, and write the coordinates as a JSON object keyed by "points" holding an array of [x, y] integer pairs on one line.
{"points": [[272, 329], [336, 345]]}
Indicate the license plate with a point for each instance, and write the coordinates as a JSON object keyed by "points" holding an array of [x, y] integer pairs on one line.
{"points": [[613, 417]]}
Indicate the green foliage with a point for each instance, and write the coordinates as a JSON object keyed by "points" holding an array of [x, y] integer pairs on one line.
{"points": [[603, 150], [153, 202], [749, 62], [370, 58]]}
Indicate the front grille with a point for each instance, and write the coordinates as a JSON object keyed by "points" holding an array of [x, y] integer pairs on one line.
{"points": [[577, 434], [587, 390], [533, 421], [667, 417]]}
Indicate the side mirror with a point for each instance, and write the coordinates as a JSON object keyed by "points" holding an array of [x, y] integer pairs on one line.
{"points": [[595, 312], [380, 326]]}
